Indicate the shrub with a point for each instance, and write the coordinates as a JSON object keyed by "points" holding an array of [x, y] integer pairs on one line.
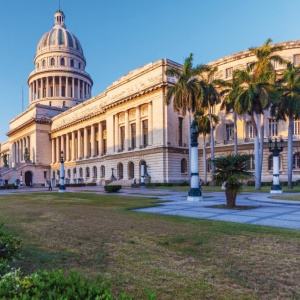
{"points": [[112, 188], [91, 184], [9, 246]]}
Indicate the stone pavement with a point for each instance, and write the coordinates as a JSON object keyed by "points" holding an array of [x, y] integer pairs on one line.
{"points": [[269, 212]]}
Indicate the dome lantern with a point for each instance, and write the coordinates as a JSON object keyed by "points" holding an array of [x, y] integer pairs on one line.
{"points": [[59, 19]]}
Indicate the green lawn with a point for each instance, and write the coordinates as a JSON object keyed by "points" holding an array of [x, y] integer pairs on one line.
{"points": [[178, 258]]}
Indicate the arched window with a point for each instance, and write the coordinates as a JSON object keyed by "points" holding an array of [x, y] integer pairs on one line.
{"points": [[183, 166], [80, 172], [52, 61], [50, 103], [94, 172], [69, 173], [62, 61], [64, 104], [79, 65], [130, 170], [53, 175], [102, 171], [44, 63], [87, 170], [120, 171], [251, 165], [143, 163], [296, 160], [72, 63], [58, 174]]}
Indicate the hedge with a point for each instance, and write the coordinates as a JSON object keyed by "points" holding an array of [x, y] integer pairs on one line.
{"points": [[112, 188]]}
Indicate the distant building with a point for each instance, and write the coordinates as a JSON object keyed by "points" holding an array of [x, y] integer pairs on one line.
{"points": [[122, 128]]}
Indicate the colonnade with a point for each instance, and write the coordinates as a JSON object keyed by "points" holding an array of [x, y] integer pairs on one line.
{"points": [[19, 149], [59, 86], [86, 142]]}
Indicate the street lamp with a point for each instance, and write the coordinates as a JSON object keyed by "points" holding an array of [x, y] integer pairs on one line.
{"points": [[143, 175], [276, 188], [194, 193], [62, 188]]}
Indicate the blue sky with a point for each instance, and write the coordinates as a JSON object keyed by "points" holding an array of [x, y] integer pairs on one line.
{"points": [[118, 36]]}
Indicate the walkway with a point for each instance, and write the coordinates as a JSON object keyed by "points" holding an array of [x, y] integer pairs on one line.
{"points": [[270, 212]]}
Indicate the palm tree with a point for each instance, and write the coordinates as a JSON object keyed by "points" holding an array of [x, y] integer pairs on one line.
{"points": [[230, 95], [289, 108], [232, 169], [186, 90], [209, 97], [255, 97], [204, 128]]}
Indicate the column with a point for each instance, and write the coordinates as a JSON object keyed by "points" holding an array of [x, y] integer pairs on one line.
{"points": [[100, 138], [73, 87], [93, 141], [85, 142], [78, 88], [59, 92], [42, 88], [126, 131], [67, 147], [53, 86], [138, 127], [57, 150], [116, 133], [73, 146], [47, 87], [150, 124], [67, 86], [30, 92], [79, 152], [53, 150]]}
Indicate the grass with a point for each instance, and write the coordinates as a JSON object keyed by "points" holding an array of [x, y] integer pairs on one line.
{"points": [[178, 258], [293, 198]]}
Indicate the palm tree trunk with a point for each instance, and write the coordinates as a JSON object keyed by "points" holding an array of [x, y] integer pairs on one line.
{"points": [[290, 153], [235, 133], [189, 141], [204, 160], [256, 153], [212, 145], [230, 196], [261, 145]]}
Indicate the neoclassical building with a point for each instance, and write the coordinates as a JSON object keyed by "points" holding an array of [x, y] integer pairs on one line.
{"points": [[126, 126]]}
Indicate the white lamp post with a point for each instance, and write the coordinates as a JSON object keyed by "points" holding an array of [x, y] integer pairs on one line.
{"points": [[195, 193], [276, 188], [142, 184], [62, 188]]}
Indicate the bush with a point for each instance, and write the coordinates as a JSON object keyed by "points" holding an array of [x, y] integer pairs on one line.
{"points": [[91, 184], [9, 246], [112, 188]]}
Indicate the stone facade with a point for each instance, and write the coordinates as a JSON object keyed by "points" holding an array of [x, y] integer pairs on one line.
{"points": [[116, 131]]}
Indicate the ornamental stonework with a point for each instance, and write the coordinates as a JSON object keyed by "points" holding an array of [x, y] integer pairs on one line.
{"points": [[144, 110], [121, 117], [132, 113]]}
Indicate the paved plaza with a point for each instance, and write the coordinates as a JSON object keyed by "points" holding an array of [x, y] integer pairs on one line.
{"points": [[267, 211]]}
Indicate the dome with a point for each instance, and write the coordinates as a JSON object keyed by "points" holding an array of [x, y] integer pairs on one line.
{"points": [[59, 37]]}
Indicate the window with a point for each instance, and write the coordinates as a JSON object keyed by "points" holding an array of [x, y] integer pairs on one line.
{"points": [[50, 103], [228, 73], [79, 65], [87, 170], [53, 175], [122, 137], [64, 104], [250, 163], [44, 63], [296, 59], [130, 170], [249, 130], [296, 161], [180, 128], [102, 171], [296, 128], [72, 62], [62, 61], [80, 172], [183, 166], [273, 127], [69, 173], [133, 135], [120, 171], [94, 172], [52, 61], [145, 133], [229, 132], [45, 174]]}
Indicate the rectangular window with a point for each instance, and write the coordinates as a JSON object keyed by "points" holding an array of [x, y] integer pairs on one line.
{"points": [[228, 73], [122, 137], [249, 130], [104, 141], [133, 135], [145, 133], [229, 132], [273, 127], [296, 59], [63, 91], [296, 128], [180, 131], [45, 174]]}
